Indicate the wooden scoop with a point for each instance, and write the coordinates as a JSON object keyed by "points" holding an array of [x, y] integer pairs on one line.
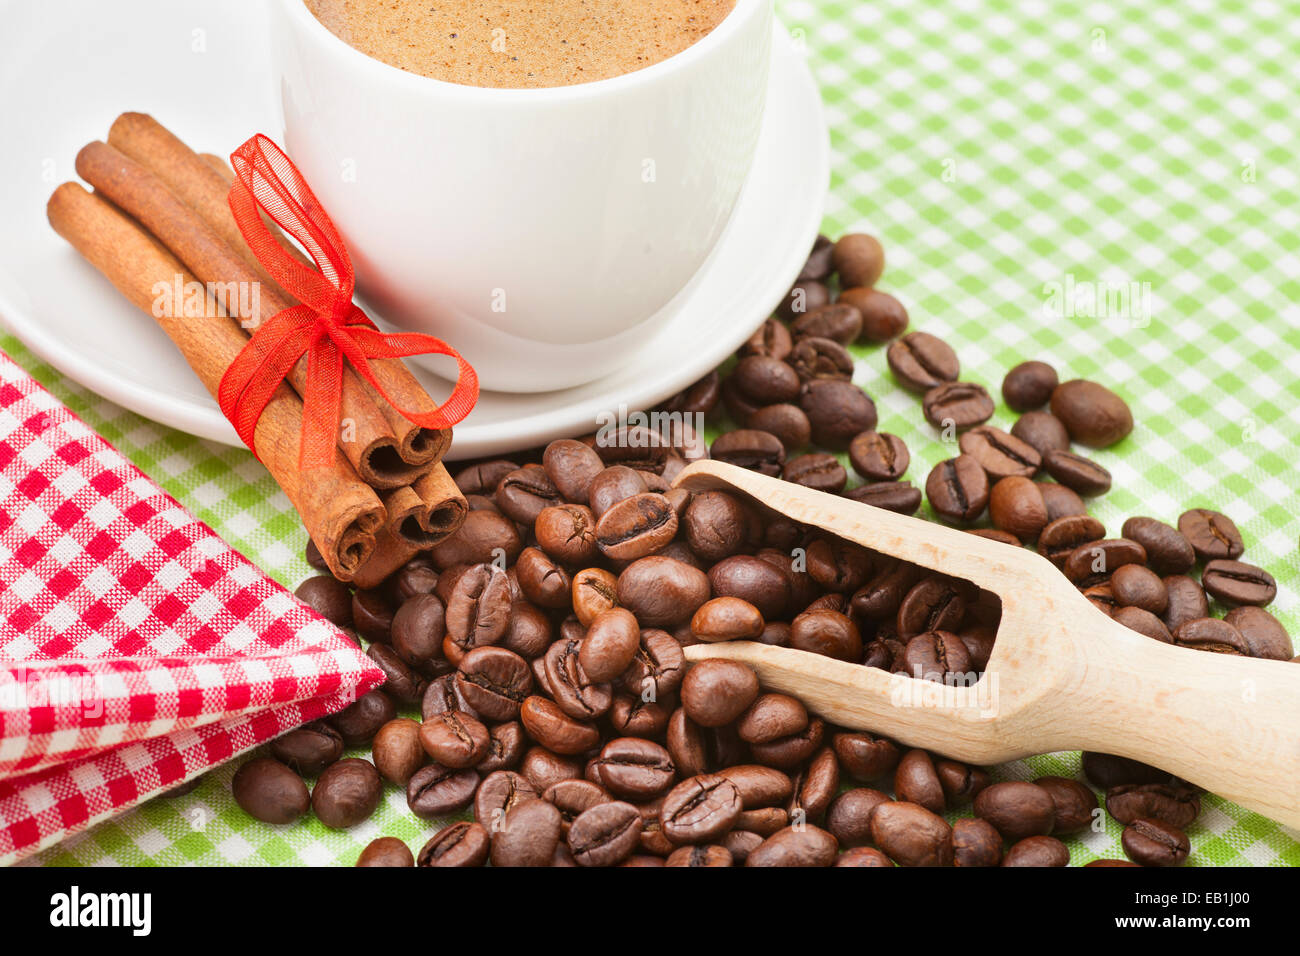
{"points": [[1062, 675]]}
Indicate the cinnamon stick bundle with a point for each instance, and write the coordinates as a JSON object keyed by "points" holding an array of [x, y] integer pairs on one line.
{"points": [[342, 513]]}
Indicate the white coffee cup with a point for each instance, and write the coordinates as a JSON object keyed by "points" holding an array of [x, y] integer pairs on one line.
{"points": [[544, 233]]}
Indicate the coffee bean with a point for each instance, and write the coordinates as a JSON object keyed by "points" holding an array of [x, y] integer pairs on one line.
{"points": [[958, 405], [958, 489], [716, 692], [863, 856], [1171, 803], [848, 818], [397, 751], [610, 644], [936, 656], [435, 790], [360, 721], [525, 492], [493, 682], [1187, 601], [815, 359], [1061, 501], [765, 380], [762, 584], [1144, 622], [1075, 803], [595, 591], [1211, 534], [934, 603], [314, 557], [372, 614], [455, 739], [1155, 843], [346, 793], [897, 496], [482, 537], [772, 338], [639, 447], [569, 686], [662, 592], [403, 684], [759, 786], [960, 783], [879, 456], [1137, 586], [499, 793], [616, 483], [920, 362], [858, 258], [309, 749], [544, 768], [818, 471], [771, 717], [1091, 413], [573, 797], [837, 412], [505, 748], [658, 667], [1168, 552], [700, 809], [816, 785], [630, 716], [1037, 851], [764, 821], [328, 597], [572, 465], [1211, 634], [528, 836], [752, 449], [786, 422], [1238, 583], [826, 632], [807, 846], [483, 478], [1098, 560], [1263, 633], [1061, 537], [1042, 431], [916, 781], [1016, 505], [712, 855], [636, 527], [883, 316], [1077, 473], [864, 756], [1106, 771], [460, 844], [386, 851], [820, 262], [419, 627], [634, 769], [803, 297], [727, 619], [976, 842], [999, 454], [1017, 809], [269, 791], [554, 729], [840, 323], [605, 834], [911, 835], [979, 645], [1029, 385], [478, 612], [882, 595]]}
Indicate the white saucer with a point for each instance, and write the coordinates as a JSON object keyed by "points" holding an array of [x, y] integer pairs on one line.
{"points": [[68, 68]]}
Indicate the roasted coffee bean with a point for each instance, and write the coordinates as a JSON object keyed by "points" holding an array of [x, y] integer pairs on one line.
{"points": [[1168, 552], [460, 844], [958, 405], [1102, 598], [771, 717], [716, 692], [911, 834], [820, 262], [484, 536], [1106, 771], [455, 739], [499, 793], [573, 797], [1100, 559], [934, 603], [1091, 413], [528, 836], [309, 749], [1137, 586], [493, 682], [1238, 583], [372, 614], [788, 753], [762, 584], [840, 322], [803, 297], [1016, 505], [712, 855], [815, 786], [1077, 473], [616, 483], [1037, 851], [478, 612], [897, 496], [483, 478], [658, 667], [630, 716], [764, 821], [610, 644], [976, 842], [435, 790], [269, 791], [837, 565], [572, 465], [863, 856], [1211, 634], [1017, 809], [883, 316], [826, 632], [638, 447], [595, 591], [525, 492], [636, 527], [772, 338], [529, 633], [786, 422], [1144, 622], [1061, 501], [999, 454], [837, 411], [759, 786], [403, 684], [346, 793], [1029, 385], [542, 581], [634, 769], [916, 781], [818, 471], [814, 359], [1187, 601], [397, 751], [569, 686], [1263, 633], [555, 730], [920, 362], [753, 449], [738, 405], [848, 818], [1155, 843], [936, 656], [795, 846], [979, 645], [765, 380], [960, 783], [544, 768], [1105, 862], [1171, 803], [879, 456], [1212, 535], [328, 597], [505, 748], [727, 619], [880, 598], [1076, 804], [958, 489], [858, 258], [716, 525], [662, 592], [360, 721], [605, 834], [419, 627], [700, 809], [386, 851], [314, 557], [1061, 537], [1042, 431]]}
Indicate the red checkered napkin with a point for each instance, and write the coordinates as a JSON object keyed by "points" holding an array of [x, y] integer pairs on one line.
{"points": [[137, 649]]}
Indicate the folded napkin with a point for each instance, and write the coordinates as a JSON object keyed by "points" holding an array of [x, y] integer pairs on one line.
{"points": [[137, 649]]}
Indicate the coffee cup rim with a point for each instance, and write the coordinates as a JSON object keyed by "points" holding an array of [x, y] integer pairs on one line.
{"points": [[306, 23]]}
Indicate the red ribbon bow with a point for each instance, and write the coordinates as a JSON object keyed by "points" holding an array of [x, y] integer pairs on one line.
{"points": [[326, 327]]}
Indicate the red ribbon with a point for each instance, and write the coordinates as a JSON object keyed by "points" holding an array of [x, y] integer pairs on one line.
{"points": [[326, 327]]}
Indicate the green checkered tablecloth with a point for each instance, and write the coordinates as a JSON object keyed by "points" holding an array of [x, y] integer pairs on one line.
{"points": [[1112, 187]]}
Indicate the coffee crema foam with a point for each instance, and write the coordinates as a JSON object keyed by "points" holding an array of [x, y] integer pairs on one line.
{"points": [[505, 44]]}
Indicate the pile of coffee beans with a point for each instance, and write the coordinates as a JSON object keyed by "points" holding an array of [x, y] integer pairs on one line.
{"points": [[535, 672]]}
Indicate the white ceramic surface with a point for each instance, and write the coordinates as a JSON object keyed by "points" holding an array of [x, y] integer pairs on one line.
{"points": [[544, 232], [199, 67]]}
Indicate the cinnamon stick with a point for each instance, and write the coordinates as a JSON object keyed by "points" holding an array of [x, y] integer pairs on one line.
{"points": [[427, 512], [199, 184], [369, 442], [342, 513], [391, 552]]}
